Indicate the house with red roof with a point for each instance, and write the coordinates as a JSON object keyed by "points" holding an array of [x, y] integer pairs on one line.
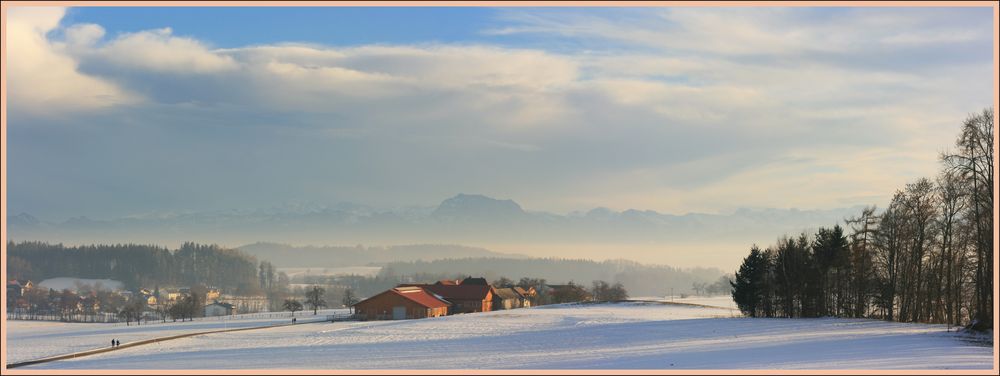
{"points": [[403, 302], [465, 298]]}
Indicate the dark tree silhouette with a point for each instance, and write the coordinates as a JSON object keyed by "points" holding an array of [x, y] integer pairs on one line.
{"points": [[314, 298]]}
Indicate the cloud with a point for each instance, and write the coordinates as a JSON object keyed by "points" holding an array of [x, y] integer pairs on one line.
{"points": [[43, 78], [669, 109], [158, 51]]}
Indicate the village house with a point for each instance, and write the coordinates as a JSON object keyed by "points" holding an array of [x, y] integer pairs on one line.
{"points": [[464, 298], [404, 302], [17, 288], [16, 291], [174, 296], [506, 298], [212, 294], [219, 309], [527, 295], [246, 303]]}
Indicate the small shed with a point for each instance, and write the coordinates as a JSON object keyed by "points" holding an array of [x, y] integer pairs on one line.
{"points": [[218, 309]]}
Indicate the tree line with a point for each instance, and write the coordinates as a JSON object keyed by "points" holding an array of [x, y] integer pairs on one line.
{"points": [[137, 265], [571, 292], [927, 257]]}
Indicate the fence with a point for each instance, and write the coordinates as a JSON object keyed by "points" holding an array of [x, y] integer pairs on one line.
{"points": [[153, 317], [100, 317], [343, 317]]}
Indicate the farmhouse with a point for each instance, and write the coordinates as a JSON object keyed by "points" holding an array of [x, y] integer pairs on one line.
{"points": [[506, 298], [527, 295], [246, 303], [17, 288], [405, 302], [174, 296], [464, 298], [16, 293]]}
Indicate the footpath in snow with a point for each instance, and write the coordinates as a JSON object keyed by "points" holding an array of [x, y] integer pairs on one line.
{"points": [[30, 340]]}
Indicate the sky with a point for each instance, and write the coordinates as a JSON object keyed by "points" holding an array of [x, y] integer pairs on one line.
{"points": [[117, 111]]}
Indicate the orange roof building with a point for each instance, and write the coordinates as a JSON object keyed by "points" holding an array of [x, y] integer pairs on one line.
{"points": [[404, 302]]}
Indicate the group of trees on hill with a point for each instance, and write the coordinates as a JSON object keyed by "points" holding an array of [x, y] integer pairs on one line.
{"points": [[137, 265], [601, 291], [927, 257]]}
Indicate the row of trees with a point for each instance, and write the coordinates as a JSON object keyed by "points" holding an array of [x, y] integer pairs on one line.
{"points": [[101, 305], [65, 305], [315, 300], [137, 265], [571, 292], [927, 257], [719, 287]]}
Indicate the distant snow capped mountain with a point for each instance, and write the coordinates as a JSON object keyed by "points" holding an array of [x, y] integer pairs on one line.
{"points": [[464, 218], [477, 207], [23, 220]]}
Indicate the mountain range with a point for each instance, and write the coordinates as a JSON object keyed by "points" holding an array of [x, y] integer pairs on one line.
{"points": [[463, 219]]}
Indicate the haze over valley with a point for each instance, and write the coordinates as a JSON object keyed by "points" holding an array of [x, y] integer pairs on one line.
{"points": [[501, 226]]}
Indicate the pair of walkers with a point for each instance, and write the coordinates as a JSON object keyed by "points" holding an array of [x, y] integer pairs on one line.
{"points": [[115, 343]]}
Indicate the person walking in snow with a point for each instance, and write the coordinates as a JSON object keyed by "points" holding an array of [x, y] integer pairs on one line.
{"points": [[112, 342], [118, 343]]}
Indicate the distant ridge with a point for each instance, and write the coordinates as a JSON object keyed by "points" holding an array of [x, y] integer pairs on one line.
{"points": [[284, 255], [473, 219]]}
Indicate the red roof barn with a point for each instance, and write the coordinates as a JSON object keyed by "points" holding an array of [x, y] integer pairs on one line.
{"points": [[405, 302]]}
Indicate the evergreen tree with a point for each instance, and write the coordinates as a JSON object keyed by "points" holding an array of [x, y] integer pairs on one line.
{"points": [[748, 288]]}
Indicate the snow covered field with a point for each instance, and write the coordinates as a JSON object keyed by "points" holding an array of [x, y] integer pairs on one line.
{"points": [[580, 336], [28, 340], [724, 301]]}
